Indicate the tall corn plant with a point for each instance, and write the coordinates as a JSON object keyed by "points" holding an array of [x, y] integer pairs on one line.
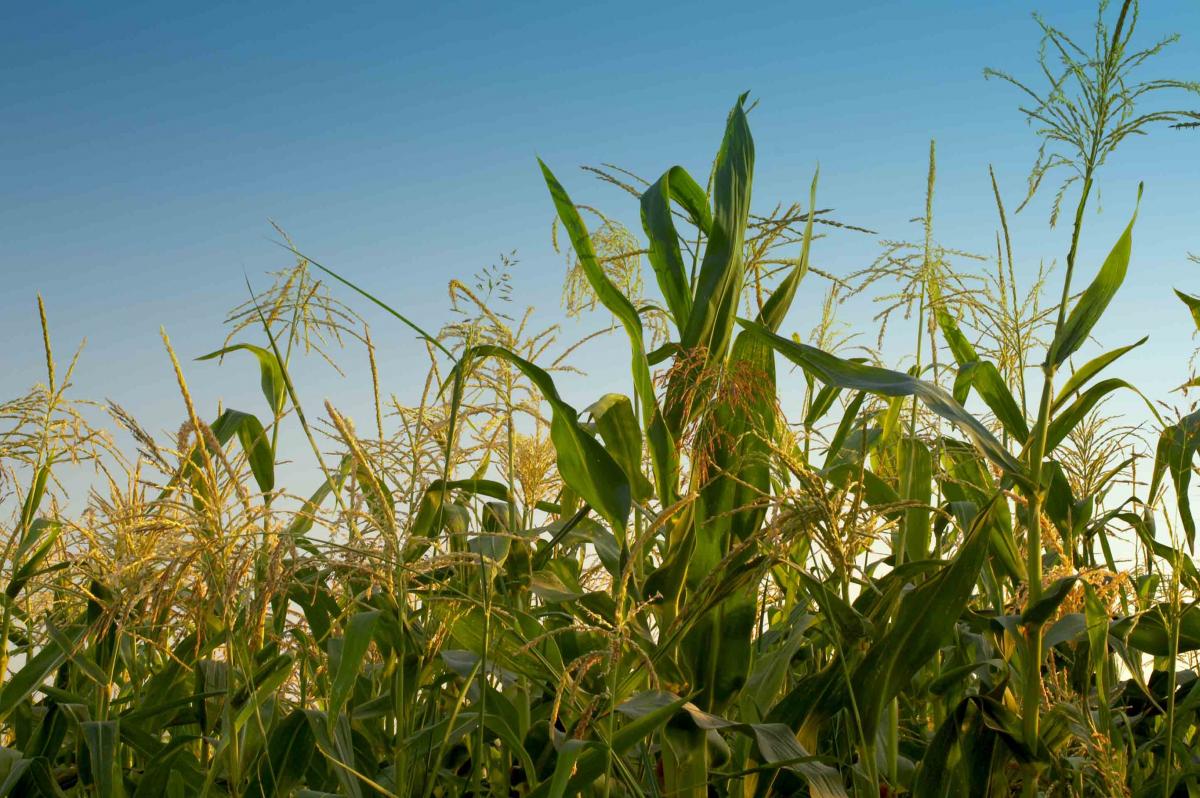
{"points": [[717, 416], [1090, 107]]}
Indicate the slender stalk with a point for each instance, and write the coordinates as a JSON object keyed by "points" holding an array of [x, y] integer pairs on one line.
{"points": [[1032, 685]]}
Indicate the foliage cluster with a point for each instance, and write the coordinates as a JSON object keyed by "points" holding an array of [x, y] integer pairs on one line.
{"points": [[679, 591]]}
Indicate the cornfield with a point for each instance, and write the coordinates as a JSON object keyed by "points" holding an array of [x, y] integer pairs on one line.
{"points": [[899, 582]]}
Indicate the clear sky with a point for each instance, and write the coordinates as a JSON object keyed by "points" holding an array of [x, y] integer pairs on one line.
{"points": [[144, 146]]}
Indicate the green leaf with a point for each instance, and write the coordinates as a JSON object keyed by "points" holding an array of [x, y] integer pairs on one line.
{"points": [[969, 485], [1051, 600], [822, 401], [1069, 418], [33, 499], [1097, 632], [737, 434], [831, 369], [777, 305], [975, 372], [265, 683], [975, 729], [659, 224], [776, 744], [564, 766], [289, 748], [36, 669], [584, 464], [78, 657], [333, 740], [1177, 446], [770, 669], [1193, 305], [274, 387], [849, 417], [1089, 370], [722, 272], [255, 443], [662, 448], [31, 553], [924, 621], [985, 378], [649, 711], [1095, 299], [359, 631], [1178, 559], [916, 483], [31, 778], [618, 427], [102, 737], [304, 519], [1151, 631], [173, 765]]}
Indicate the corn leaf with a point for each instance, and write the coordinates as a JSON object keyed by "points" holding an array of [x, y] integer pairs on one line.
{"points": [[664, 254], [360, 629], [254, 441], [722, 272], [662, 448], [584, 464], [1177, 446], [831, 369], [1095, 299], [102, 738], [618, 428], [924, 621], [1090, 369], [274, 388], [776, 307]]}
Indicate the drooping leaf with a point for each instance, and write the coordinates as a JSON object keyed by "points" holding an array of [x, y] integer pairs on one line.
{"points": [[274, 387], [662, 448], [1177, 446], [856, 376], [664, 254], [583, 463], [254, 441]]}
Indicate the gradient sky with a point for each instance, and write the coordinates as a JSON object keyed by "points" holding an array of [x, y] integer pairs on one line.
{"points": [[144, 147]]}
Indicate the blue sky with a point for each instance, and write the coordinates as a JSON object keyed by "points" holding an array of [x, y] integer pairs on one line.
{"points": [[145, 146]]}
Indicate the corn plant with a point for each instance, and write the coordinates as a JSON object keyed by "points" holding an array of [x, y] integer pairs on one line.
{"points": [[901, 581]]}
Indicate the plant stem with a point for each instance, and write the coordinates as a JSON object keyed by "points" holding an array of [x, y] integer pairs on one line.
{"points": [[1032, 688]]}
